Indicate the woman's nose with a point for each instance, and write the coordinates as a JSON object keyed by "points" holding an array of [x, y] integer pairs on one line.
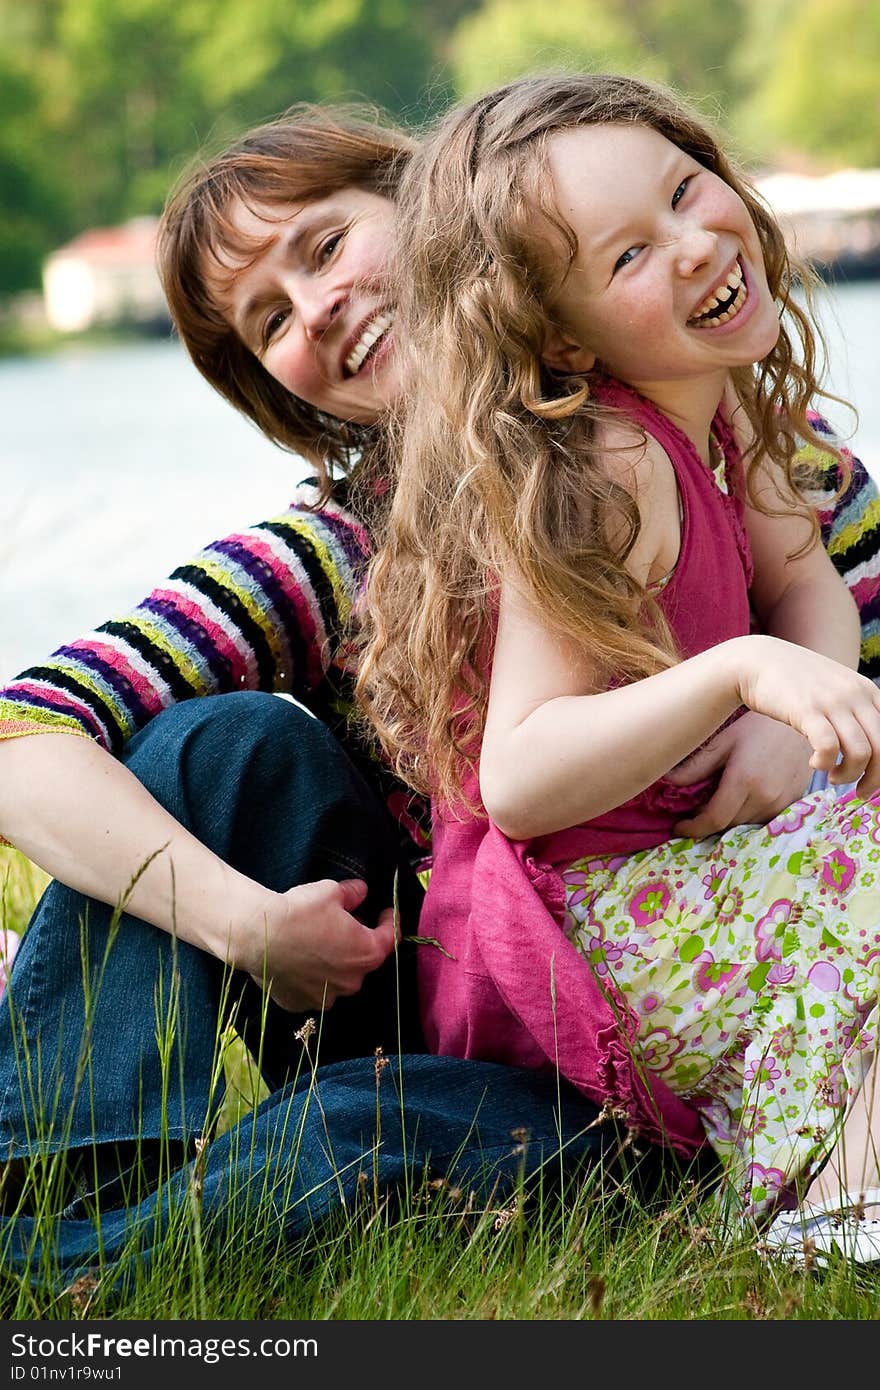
{"points": [[318, 306]]}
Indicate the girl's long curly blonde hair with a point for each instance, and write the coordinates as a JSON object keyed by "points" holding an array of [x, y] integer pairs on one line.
{"points": [[496, 468]]}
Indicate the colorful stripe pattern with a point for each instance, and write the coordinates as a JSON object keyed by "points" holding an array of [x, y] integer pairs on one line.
{"points": [[263, 609], [850, 528]]}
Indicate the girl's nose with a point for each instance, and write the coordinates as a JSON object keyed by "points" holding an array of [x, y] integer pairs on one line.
{"points": [[696, 248]]}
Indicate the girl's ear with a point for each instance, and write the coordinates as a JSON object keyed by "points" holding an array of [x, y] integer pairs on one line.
{"points": [[562, 354]]}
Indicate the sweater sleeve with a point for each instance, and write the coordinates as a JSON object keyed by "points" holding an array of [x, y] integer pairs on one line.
{"points": [[850, 527], [261, 609]]}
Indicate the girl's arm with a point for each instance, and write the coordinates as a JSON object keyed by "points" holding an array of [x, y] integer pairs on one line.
{"points": [[802, 599], [799, 597], [554, 756]]}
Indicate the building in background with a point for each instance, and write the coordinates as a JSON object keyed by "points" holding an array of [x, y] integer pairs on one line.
{"points": [[106, 277], [832, 221]]}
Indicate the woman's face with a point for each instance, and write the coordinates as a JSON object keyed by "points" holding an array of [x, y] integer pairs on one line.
{"points": [[314, 305]]}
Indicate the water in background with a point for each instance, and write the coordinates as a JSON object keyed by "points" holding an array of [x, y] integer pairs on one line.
{"points": [[119, 463]]}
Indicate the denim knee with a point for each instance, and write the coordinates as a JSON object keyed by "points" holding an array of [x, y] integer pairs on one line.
{"points": [[267, 787]]}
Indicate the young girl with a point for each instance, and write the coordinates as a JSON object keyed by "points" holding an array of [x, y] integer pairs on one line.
{"points": [[598, 554]]}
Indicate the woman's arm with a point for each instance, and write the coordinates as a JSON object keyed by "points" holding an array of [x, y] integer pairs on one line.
{"points": [[89, 822], [262, 608]]}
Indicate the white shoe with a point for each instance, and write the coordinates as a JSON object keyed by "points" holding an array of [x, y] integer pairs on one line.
{"points": [[817, 1233]]}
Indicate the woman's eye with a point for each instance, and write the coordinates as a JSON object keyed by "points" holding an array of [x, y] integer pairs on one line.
{"points": [[680, 191], [326, 248], [274, 323], [627, 258]]}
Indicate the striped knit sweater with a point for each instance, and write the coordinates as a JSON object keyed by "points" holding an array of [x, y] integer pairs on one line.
{"points": [[850, 527], [266, 609]]}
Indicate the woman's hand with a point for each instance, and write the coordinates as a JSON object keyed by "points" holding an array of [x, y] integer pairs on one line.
{"points": [[306, 948], [764, 767], [834, 708]]}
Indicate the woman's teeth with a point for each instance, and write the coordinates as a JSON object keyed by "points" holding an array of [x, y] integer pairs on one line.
{"points": [[370, 336], [723, 303]]}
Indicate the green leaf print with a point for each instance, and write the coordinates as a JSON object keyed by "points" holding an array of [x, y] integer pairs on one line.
{"points": [[759, 975], [690, 949]]}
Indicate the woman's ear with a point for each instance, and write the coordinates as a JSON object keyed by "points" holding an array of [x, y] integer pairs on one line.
{"points": [[562, 354]]}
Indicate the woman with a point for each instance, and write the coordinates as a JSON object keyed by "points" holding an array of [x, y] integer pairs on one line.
{"points": [[274, 258]]}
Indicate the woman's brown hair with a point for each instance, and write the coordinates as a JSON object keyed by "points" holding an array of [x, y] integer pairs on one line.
{"points": [[308, 153]]}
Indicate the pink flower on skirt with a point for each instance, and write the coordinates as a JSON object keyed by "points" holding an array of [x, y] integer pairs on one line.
{"points": [[756, 1125], [763, 1185], [792, 818], [601, 953], [713, 974], [770, 929], [650, 1003], [763, 1071], [660, 1048], [838, 870], [712, 881], [784, 1041], [649, 902]]}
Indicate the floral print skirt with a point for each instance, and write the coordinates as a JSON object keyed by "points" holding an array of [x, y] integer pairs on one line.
{"points": [[751, 962]]}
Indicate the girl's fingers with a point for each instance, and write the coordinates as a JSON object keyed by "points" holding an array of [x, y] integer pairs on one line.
{"points": [[822, 738], [869, 782], [855, 747]]}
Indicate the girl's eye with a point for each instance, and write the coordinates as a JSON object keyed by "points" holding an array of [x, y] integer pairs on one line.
{"points": [[326, 248], [680, 191], [273, 325], [627, 258]]}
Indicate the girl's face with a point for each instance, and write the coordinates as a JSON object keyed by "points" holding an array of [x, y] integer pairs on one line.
{"points": [[668, 287], [314, 305]]}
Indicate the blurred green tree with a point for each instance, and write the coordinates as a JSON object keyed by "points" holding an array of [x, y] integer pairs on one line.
{"points": [[32, 213], [506, 38], [815, 69], [102, 101]]}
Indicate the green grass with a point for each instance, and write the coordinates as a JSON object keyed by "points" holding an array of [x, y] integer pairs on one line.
{"points": [[595, 1252]]}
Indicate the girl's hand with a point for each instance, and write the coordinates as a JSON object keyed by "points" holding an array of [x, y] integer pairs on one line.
{"points": [[836, 709], [307, 949], [764, 768]]}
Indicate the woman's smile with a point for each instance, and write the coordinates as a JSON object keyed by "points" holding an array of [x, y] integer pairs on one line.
{"points": [[309, 296]]}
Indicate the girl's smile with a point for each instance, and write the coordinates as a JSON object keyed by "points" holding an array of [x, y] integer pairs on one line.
{"points": [[667, 290], [311, 301]]}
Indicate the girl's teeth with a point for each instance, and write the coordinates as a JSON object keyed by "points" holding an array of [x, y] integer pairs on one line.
{"points": [[704, 318], [371, 334]]}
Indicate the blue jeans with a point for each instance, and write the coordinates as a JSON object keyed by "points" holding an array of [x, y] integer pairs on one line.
{"points": [[269, 790]]}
